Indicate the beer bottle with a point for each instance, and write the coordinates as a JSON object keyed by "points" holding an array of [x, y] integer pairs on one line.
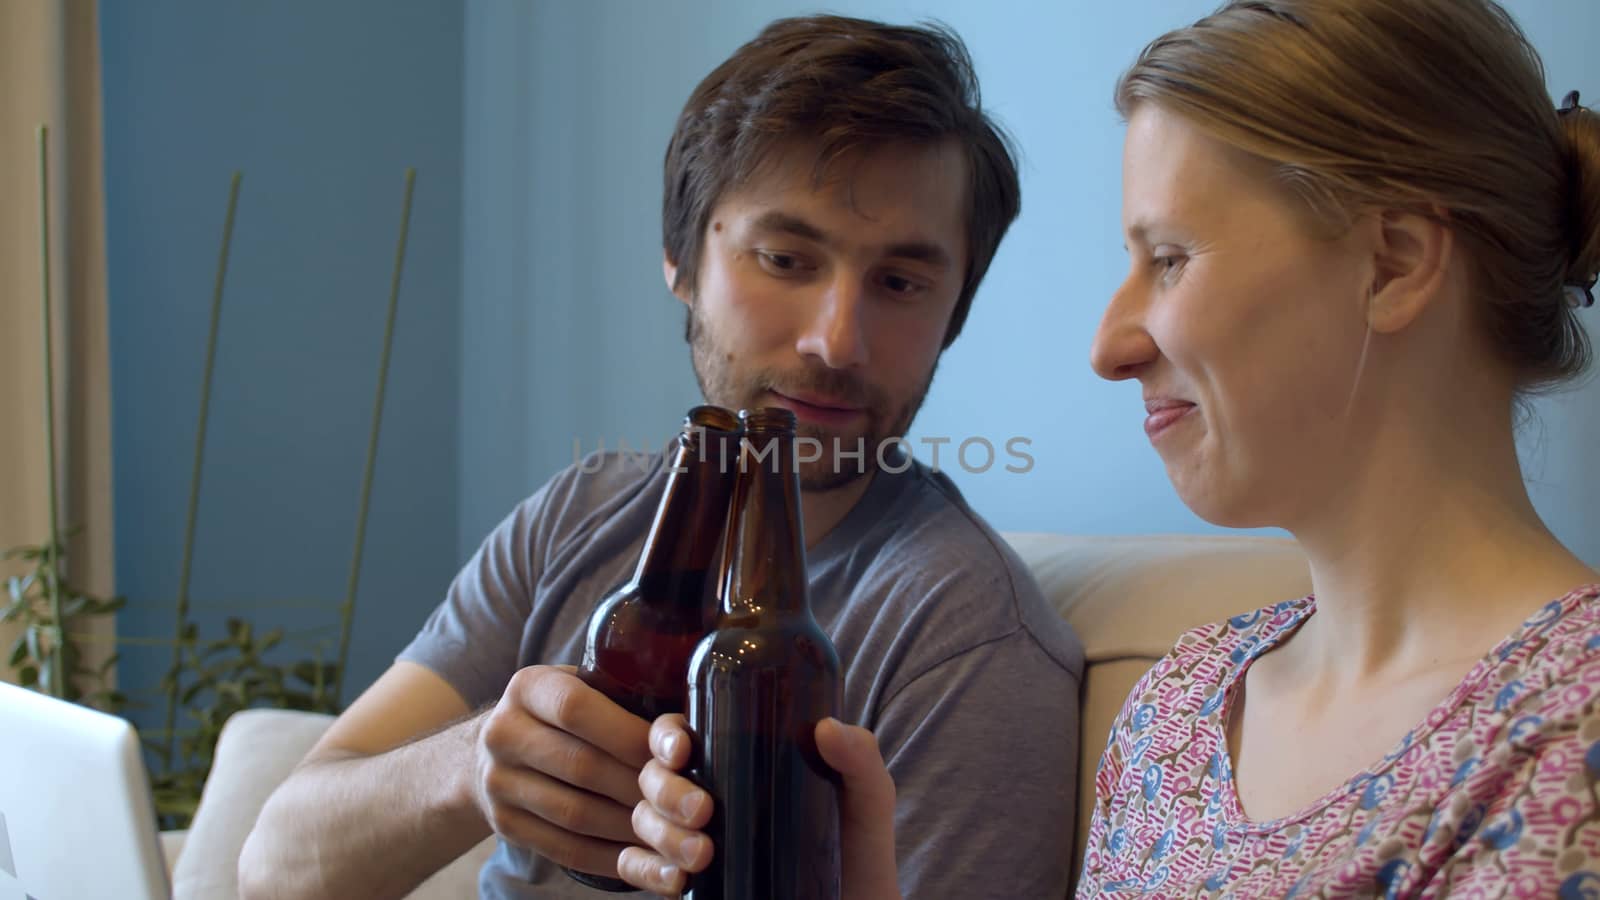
{"points": [[640, 637], [758, 685]]}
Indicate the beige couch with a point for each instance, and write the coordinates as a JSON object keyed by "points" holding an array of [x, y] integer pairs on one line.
{"points": [[1127, 597]]}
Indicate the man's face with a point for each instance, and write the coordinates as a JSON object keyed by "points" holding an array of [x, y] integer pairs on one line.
{"points": [[832, 300]]}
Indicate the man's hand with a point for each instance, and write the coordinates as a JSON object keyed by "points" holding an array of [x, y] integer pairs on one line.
{"points": [[558, 767]]}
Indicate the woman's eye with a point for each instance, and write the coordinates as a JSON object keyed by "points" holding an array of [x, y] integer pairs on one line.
{"points": [[1167, 263]]}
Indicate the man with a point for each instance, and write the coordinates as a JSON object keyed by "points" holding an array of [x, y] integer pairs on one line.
{"points": [[833, 196]]}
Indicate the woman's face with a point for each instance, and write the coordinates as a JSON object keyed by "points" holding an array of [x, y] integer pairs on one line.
{"points": [[1243, 325]]}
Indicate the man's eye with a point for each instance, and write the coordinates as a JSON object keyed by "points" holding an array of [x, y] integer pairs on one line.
{"points": [[780, 263], [899, 285]]}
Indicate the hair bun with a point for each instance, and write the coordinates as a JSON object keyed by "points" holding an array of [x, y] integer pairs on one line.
{"points": [[1581, 127]]}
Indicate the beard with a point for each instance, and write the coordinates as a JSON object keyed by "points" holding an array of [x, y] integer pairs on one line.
{"points": [[840, 463]]}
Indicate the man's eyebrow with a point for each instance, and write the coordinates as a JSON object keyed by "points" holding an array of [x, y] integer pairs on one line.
{"points": [[924, 252], [777, 222], [783, 223]]}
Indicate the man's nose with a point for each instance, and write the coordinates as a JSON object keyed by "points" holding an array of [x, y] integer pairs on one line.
{"points": [[836, 333]]}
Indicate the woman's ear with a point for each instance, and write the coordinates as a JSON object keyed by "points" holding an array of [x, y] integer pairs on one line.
{"points": [[669, 271], [1411, 261]]}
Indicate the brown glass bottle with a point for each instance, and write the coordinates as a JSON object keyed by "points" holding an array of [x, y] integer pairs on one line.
{"points": [[640, 637], [758, 685]]}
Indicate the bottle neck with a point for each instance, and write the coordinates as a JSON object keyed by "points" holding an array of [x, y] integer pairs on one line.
{"points": [[684, 538], [765, 555]]}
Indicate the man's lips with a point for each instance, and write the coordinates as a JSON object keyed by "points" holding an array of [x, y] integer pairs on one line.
{"points": [[818, 409], [1162, 413]]}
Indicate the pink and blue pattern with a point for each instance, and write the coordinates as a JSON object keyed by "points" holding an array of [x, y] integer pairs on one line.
{"points": [[1494, 794]]}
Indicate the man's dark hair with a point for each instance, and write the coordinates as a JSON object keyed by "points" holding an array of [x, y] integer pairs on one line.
{"points": [[851, 85]]}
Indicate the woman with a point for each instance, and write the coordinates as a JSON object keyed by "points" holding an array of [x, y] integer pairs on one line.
{"points": [[1360, 235]]}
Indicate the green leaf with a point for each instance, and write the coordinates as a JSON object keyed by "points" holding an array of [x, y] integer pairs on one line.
{"points": [[28, 676], [126, 702], [180, 802], [217, 669], [297, 700], [19, 650], [313, 673], [194, 691], [18, 585]]}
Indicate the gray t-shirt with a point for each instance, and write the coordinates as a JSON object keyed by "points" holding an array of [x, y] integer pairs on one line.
{"points": [[951, 657]]}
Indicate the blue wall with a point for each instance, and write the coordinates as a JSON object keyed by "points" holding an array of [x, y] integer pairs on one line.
{"points": [[562, 256], [322, 106]]}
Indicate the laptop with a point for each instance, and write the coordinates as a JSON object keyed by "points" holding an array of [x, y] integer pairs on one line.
{"points": [[76, 817]]}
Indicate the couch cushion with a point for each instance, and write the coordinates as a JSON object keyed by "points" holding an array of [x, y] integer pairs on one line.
{"points": [[1133, 595]]}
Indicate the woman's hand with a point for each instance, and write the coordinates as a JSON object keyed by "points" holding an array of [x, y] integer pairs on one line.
{"points": [[674, 810]]}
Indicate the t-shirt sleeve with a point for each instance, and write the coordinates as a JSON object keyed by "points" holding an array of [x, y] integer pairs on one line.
{"points": [[981, 748], [473, 638]]}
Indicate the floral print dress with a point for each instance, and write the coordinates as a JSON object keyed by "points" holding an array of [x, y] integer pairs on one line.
{"points": [[1493, 795]]}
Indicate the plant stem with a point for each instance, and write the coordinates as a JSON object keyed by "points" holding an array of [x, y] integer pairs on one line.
{"points": [[199, 459], [52, 548], [347, 610]]}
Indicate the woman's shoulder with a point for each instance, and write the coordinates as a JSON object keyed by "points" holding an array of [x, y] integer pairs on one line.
{"points": [[1551, 666], [1540, 700], [1525, 776], [1191, 680], [1205, 652]]}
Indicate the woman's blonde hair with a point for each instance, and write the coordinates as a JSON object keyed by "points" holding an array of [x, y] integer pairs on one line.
{"points": [[1423, 105]]}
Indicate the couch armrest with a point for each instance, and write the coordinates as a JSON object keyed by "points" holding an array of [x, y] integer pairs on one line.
{"points": [[256, 751], [171, 846]]}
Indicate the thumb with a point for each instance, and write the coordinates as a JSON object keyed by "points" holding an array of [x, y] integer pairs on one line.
{"points": [[866, 809]]}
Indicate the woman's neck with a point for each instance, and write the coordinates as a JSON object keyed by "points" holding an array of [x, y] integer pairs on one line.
{"points": [[1432, 554]]}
